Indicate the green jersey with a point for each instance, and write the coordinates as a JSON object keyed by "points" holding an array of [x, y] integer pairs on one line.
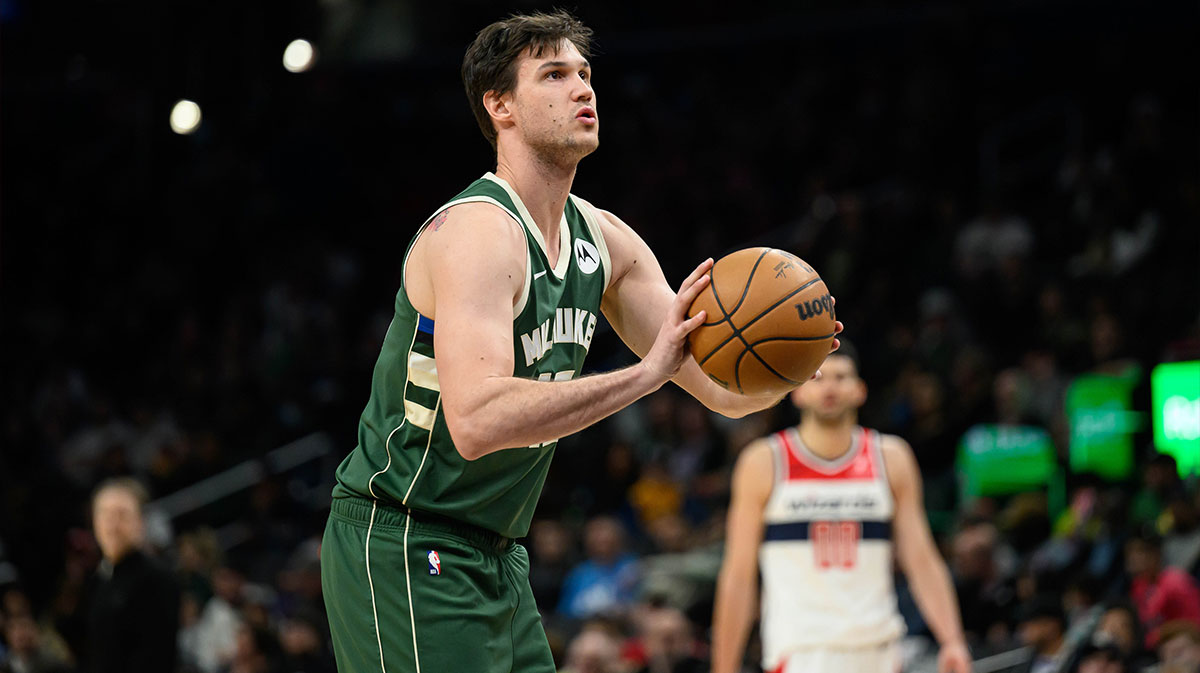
{"points": [[405, 454]]}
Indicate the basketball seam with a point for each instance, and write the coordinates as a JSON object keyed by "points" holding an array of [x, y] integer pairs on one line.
{"points": [[737, 331], [741, 299], [763, 341], [737, 371]]}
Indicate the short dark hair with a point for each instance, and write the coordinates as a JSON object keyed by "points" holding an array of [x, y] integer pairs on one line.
{"points": [[847, 350], [490, 61]]}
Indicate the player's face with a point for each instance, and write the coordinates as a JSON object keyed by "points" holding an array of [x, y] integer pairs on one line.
{"points": [[554, 105], [838, 393], [117, 520]]}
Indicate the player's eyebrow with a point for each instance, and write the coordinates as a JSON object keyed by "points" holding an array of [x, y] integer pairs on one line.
{"points": [[562, 64]]}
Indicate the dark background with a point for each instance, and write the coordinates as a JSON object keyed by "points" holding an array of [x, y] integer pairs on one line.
{"points": [[172, 305]]}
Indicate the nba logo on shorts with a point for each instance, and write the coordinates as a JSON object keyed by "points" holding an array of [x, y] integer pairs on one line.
{"points": [[435, 563]]}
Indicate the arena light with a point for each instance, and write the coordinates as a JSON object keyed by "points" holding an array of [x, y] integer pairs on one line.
{"points": [[299, 56], [185, 117]]}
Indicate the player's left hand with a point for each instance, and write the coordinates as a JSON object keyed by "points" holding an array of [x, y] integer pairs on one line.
{"points": [[954, 658]]}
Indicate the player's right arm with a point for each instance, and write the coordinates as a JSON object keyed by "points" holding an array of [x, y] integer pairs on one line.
{"points": [[474, 259], [737, 584]]}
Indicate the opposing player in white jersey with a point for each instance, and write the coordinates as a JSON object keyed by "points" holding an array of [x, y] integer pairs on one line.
{"points": [[821, 507]]}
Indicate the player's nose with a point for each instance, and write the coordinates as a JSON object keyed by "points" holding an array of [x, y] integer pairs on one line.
{"points": [[583, 90]]}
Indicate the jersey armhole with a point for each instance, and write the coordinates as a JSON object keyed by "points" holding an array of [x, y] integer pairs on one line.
{"points": [[875, 439], [593, 224], [520, 305]]}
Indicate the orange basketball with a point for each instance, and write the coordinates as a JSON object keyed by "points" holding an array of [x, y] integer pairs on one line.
{"points": [[770, 322]]}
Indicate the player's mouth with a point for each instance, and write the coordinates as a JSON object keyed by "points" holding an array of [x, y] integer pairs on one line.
{"points": [[586, 115]]}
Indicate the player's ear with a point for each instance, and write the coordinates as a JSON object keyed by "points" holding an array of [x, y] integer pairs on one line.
{"points": [[796, 397], [499, 107], [860, 391]]}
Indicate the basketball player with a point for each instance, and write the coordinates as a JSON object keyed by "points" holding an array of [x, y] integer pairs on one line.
{"points": [[478, 376], [821, 507]]}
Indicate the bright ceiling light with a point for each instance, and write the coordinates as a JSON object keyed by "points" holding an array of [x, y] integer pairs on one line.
{"points": [[185, 117], [298, 56]]}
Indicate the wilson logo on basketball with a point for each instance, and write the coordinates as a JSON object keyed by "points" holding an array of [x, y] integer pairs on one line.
{"points": [[808, 309]]}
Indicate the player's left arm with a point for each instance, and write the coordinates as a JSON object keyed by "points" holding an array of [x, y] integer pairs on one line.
{"points": [[635, 302], [919, 558]]}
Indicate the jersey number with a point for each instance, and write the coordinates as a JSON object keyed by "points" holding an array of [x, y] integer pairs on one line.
{"points": [[835, 544]]}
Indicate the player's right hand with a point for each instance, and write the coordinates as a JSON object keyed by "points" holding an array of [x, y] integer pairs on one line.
{"points": [[671, 345]]}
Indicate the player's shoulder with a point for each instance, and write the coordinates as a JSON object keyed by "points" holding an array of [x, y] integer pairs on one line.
{"points": [[758, 457], [893, 445], [754, 472], [475, 224], [898, 458]]}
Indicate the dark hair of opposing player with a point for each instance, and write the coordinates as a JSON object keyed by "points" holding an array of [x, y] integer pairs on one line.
{"points": [[847, 350], [490, 61], [127, 484]]}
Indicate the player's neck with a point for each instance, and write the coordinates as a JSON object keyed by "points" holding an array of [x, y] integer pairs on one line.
{"points": [[829, 440], [542, 186]]}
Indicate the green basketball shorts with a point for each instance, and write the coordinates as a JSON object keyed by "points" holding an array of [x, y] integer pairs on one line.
{"points": [[407, 592]]}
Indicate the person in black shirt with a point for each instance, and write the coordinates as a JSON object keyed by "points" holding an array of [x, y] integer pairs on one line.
{"points": [[133, 619]]}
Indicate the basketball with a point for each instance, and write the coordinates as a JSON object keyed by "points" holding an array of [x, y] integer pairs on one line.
{"points": [[770, 322]]}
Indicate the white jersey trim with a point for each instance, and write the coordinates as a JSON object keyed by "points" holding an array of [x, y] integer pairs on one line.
{"points": [[564, 231]]}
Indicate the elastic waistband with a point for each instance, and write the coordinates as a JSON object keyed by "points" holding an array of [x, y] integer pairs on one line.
{"points": [[388, 515]]}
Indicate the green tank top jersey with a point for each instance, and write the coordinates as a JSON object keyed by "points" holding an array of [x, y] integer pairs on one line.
{"points": [[405, 455]]}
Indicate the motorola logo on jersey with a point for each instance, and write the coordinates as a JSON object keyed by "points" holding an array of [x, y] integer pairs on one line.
{"points": [[586, 256]]}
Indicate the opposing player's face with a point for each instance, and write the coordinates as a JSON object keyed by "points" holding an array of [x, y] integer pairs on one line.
{"points": [[837, 393], [554, 106]]}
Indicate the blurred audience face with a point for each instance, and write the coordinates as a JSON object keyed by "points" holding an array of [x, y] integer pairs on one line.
{"points": [[1043, 634], [551, 542], [593, 651], [117, 520], [1180, 654], [21, 634], [298, 637], [1101, 662], [667, 635], [1141, 559], [603, 539], [971, 556], [1116, 626], [837, 393]]}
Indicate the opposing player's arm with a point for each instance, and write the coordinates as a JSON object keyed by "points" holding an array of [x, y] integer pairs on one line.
{"points": [[737, 584], [475, 258], [638, 297], [919, 558]]}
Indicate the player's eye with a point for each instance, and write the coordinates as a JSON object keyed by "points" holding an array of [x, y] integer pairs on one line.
{"points": [[585, 75], [554, 74]]}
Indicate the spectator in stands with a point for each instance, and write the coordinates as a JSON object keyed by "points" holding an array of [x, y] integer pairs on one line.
{"points": [[550, 545], [208, 639], [1119, 626], [668, 643], [1181, 545], [1041, 626], [302, 644], [26, 651], [1100, 659], [134, 614], [1161, 594], [1179, 648], [984, 594], [605, 582], [594, 650]]}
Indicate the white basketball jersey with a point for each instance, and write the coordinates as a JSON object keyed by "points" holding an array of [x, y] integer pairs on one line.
{"points": [[826, 555]]}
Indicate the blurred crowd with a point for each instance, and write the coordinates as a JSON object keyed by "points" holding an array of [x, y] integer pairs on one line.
{"points": [[997, 207]]}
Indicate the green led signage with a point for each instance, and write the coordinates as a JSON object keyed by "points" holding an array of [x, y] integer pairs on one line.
{"points": [[1099, 410], [1175, 395], [1002, 459]]}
